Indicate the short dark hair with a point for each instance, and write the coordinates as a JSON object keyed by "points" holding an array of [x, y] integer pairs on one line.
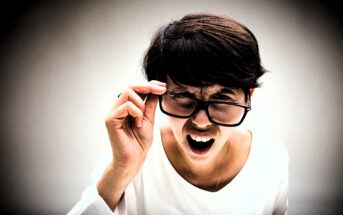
{"points": [[204, 49]]}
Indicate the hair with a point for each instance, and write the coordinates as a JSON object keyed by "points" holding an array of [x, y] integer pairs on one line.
{"points": [[205, 49]]}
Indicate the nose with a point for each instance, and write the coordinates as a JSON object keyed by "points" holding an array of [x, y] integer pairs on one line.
{"points": [[201, 120]]}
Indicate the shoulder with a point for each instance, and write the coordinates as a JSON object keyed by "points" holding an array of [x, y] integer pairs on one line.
{"points": [[270, 154], [269, 146]]}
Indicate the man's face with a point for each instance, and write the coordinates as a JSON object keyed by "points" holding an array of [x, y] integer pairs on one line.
{"points": [[197, 137]]}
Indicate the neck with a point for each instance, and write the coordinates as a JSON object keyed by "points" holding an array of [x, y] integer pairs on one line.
{"points": [[205, 175], [209, 168]]}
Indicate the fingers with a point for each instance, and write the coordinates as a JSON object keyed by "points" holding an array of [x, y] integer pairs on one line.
{"points": [[136, 93], [130, 95], [154, 87], [131, 103], [158, 83], [123, 111]]}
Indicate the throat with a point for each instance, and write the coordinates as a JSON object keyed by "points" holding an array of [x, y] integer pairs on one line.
{"points": [[205, 181], [206, 176]]}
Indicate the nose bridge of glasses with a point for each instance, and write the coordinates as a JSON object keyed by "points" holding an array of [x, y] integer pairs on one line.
{"points": [[200, 115], [201, 106]]}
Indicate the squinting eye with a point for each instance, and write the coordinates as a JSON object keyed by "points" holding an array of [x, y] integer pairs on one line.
{"points": [[178, 97], [188, 104], [183, 101], [221, 97]]}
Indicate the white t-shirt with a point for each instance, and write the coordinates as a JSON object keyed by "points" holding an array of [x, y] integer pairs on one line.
{"points": [[261, 187]]}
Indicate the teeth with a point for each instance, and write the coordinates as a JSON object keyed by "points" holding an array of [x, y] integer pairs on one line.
{"points": [[200, 139]]}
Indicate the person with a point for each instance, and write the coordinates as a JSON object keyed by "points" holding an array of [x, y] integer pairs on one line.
{"points": [[202, 71]]}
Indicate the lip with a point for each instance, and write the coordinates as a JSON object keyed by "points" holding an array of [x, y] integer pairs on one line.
{"points": [[201, 134], [198, 150]]}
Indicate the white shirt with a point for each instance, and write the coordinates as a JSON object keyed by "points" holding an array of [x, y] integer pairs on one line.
{"points": [[261, 187]]}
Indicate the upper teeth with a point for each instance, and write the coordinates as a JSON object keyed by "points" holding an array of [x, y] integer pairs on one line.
{"points": [[200, 139]]}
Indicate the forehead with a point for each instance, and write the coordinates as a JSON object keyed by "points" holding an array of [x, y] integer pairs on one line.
{"points": [[206, 90]]}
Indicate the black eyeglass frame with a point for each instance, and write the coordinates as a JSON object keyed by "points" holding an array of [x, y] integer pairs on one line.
{"points": [[204, 105]]}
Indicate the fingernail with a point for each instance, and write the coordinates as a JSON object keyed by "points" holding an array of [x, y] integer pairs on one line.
{"points": [[159, 82], [160, 87]]}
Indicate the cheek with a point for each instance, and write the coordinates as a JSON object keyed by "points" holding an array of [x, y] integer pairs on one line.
{"points": [[177, 125]]}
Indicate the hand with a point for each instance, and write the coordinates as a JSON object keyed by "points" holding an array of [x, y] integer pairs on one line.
{"points": [[130, 129], [130, 124]]}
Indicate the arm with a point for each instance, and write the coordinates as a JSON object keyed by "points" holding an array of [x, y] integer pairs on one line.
{"points": [[281, 200], [92, 203], [130, 129]]}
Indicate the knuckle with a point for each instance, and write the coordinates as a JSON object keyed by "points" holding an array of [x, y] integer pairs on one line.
{"points": [[108, 121], [131, 93], [126, 92], [132, 87], [129, 105], [133, 109]]}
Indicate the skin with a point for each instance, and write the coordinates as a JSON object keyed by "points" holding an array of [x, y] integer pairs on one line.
{"points": [[231, 146], [130, 130], [130, 142]]}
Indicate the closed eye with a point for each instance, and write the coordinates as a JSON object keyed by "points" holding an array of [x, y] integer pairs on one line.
{"points": [[221, 97], [182, 100]]}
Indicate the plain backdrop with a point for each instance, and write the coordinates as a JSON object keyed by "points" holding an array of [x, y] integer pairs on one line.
{"points": [[63, 64]]}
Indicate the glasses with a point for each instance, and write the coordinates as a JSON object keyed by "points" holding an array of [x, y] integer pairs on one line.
{"points": [[185, 106]]}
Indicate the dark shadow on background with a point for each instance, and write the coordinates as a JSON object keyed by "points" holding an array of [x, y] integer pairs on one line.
{"points": [[332, 11], [12, 15]]}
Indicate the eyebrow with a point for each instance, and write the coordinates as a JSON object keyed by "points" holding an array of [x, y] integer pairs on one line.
{"points": [[182, 89]]}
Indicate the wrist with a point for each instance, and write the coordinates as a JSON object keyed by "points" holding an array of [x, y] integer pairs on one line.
{"points": [[113, 183]]}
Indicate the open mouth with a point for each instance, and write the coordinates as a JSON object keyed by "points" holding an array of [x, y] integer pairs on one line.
{"points": [[199, 145]]}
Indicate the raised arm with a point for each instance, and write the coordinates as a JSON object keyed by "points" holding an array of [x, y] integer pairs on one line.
{"points": [[130, 129]]}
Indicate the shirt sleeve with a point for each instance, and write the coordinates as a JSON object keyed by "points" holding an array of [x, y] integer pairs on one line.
{"points": [[281, 200], [92, 203]]}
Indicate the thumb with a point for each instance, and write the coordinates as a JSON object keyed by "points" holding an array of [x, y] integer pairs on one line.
{"points": [[150, 107]]}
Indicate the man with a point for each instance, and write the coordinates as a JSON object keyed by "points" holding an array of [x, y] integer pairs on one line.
{"points": [[202, 70]]}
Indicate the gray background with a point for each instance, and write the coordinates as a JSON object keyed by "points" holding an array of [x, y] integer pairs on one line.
{"points": [[64, 63]]}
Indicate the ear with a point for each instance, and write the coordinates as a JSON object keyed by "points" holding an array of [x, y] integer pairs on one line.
{"points": [[251, 91]]}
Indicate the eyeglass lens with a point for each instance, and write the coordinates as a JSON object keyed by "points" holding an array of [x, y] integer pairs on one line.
{"points": [[183, 106]]}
